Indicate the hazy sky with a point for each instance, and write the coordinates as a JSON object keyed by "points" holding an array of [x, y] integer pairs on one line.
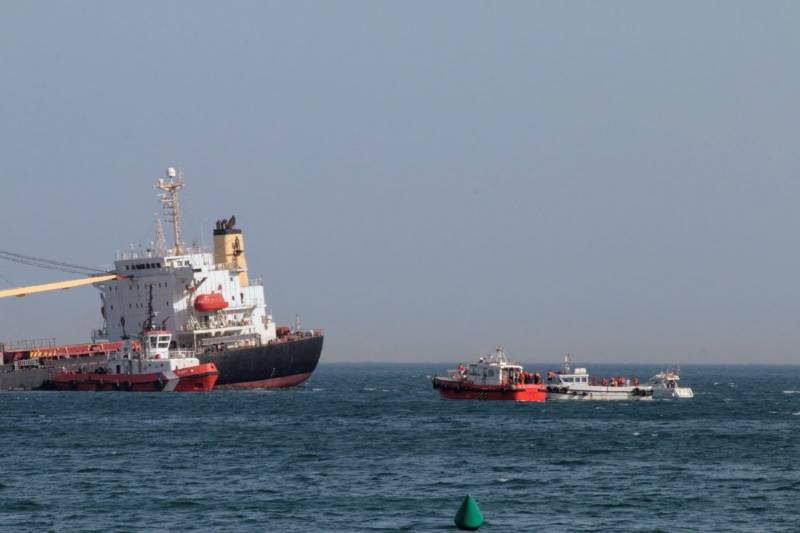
{"points": [[424, 180]]}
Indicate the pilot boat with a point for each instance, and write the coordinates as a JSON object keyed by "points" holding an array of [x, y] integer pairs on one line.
{"points": [[492, 377], [569, 384], [665, 385], [144, 366]]}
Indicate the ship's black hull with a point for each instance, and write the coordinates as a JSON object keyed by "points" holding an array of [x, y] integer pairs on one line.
{"points": [[280, 364]]}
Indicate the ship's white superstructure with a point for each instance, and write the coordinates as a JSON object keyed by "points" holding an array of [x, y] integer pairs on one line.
{"points": [[206, 299]]}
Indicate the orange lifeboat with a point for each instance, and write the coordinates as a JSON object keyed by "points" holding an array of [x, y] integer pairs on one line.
{"points": [[208, 303]]}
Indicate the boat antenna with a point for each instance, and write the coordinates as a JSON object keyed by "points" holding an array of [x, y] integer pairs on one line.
{"points": [[169, 199], [567, 368]]}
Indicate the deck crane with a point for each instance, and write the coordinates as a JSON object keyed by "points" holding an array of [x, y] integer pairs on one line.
{"points": [[44, 287], [93, 275]]}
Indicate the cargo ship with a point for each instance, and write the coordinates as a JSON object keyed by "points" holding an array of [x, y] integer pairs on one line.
{"points": [[206, 300]]}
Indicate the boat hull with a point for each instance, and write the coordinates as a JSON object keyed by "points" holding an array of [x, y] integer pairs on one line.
{"points": [[286, 363], [459, 390], [674, 392], [599, 392], [200, 378]]}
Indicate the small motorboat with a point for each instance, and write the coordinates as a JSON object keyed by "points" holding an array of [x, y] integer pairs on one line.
{"points": [[144, 366], [577, 385], [492, 377], [665, 385]]}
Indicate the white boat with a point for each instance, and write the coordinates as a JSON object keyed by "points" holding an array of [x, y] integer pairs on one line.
{"points": [[665, 385], [578, 385]]}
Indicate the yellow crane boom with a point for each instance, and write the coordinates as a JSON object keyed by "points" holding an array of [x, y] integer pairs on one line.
{"points": [[44, 287]]}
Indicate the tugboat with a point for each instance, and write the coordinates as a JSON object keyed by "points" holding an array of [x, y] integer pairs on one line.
{"points": [[493, 377], [148, 366], [152, 368], [569, 385], [665, 385]]}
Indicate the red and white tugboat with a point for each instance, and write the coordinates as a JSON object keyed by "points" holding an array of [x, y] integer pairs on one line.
{"points": [[151, 368], [493, 377]]}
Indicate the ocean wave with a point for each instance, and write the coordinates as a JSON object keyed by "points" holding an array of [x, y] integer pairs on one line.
{"points": [[22, 505], [791, 392]]}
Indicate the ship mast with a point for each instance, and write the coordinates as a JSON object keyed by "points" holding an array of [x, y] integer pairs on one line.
{"points": [[159, 244], [169, 199]]}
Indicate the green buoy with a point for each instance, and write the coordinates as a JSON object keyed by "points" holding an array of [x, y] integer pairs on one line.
{"points": [[468, 517]]}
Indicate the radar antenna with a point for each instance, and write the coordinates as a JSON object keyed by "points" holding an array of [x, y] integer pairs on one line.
{"points": [[169, 199]]}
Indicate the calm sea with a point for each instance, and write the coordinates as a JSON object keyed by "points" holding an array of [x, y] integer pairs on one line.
{"points": [[373, 448]]}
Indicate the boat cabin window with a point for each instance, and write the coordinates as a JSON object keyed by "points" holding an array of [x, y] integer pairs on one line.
{"points": [[163, 341], [491, 372], [154, 342]]}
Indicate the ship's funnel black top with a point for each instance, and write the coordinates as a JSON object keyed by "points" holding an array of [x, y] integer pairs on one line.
{"points": [[226, 227], [232, 231]]}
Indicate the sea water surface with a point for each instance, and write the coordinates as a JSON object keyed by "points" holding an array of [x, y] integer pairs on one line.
{"points": [[373, 448]]}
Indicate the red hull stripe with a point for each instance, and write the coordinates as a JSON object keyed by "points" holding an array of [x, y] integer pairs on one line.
{"points": [[517, 396], [519, 393], [274, 383], [200, 378]]}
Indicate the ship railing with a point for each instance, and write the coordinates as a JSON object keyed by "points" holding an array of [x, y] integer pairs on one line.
{"points": [[455, 373], [30, 344], [225, 266], [27, 363], [141, 252], [306, 333], [181, 353], [247, 339], [217, 324]]}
